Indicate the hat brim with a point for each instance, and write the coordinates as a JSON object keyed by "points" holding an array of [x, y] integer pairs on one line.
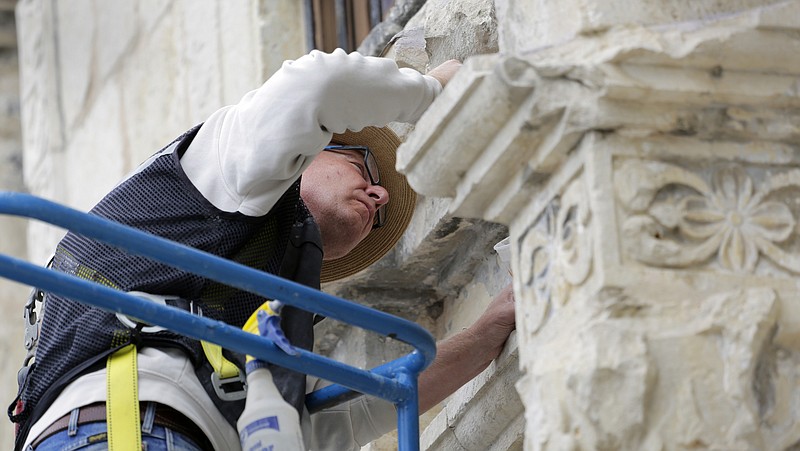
{"points": [[402, 199]]}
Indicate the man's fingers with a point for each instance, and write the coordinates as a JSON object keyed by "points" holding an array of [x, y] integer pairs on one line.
{"points": [[445, 71]]}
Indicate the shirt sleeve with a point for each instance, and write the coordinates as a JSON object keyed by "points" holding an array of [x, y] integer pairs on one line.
{"points": [[245, 156], [352, 425]]}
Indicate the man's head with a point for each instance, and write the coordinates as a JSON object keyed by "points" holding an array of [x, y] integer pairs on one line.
{"points": [[344, 190], [338, 190]]}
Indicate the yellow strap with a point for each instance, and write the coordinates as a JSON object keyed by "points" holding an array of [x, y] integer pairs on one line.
{"points": [[122, 401], [222, 366]]}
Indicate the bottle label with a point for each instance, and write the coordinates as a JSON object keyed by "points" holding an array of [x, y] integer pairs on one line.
{"points": [[259, 447], [259, 424]]}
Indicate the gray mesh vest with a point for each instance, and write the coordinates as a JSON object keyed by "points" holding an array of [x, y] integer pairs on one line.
{"points": [[159, 199]]}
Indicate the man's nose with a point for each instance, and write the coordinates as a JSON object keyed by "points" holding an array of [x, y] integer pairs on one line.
{"points": [[378, 193]]}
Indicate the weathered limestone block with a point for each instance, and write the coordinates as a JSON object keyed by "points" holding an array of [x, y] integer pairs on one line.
{"points": [[281, 29], [443, 30], [526, 25], [649, 179], [74, 53], [395, 19]]}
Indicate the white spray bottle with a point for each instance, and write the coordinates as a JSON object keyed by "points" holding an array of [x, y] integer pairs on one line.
{"points": [[268, 422]]}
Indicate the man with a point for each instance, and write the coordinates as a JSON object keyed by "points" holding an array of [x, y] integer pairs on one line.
{"points": [[232, 187]]}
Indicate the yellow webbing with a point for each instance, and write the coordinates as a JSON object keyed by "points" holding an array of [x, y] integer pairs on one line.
{"points": [[122, 385], [222, 366], [122, 401]]}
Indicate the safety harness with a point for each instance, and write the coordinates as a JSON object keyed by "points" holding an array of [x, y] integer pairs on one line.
{"points": [[124, 431], [123, 417]]}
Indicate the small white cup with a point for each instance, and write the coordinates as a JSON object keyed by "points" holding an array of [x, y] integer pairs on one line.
{"points": [[503, 249]]}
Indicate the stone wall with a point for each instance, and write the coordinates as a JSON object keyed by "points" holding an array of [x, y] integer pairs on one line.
{"points": [[105, 84], [12, 231]]}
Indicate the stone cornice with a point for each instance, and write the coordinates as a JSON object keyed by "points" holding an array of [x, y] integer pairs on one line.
{"points": [[504, 123]]}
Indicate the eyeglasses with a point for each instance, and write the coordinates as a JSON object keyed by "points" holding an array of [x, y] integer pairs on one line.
{"points": [[372, 175]]}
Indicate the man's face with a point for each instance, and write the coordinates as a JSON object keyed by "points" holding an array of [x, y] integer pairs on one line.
{"points": [[337, 191]]}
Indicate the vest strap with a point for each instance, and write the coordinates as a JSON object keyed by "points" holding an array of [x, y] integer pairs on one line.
{"points": [[222, 366], [122, 400], [229, 383]]}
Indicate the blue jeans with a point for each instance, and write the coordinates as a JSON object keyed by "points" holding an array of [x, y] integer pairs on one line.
{"points": [[93, 437]]}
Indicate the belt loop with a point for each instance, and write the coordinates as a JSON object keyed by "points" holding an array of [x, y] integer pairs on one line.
{"points": [[168, 438], [149, 418], [72, 429]]}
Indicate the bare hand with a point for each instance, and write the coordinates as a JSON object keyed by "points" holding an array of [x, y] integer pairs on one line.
{"points": [[497, 322], [445, 71]]}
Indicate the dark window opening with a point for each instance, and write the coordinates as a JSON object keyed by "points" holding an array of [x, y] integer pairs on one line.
{"points": [[342, 24]]}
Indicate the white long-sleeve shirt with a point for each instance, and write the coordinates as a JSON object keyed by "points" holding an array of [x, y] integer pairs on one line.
{"points": [[243, 159], [247, 155]]}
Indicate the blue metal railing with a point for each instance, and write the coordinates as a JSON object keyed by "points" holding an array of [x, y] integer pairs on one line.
{"points": [[395, 381]]}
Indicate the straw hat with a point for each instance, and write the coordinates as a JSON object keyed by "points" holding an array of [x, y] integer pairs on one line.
{"points": [[383, 143]]}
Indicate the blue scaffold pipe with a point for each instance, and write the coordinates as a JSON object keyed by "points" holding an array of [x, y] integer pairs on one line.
{"points": [[408, 413], [224, 271], [200, 328], [333, 395]]}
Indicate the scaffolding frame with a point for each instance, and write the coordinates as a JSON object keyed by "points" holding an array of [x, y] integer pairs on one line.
{"points": [[395, 381]]}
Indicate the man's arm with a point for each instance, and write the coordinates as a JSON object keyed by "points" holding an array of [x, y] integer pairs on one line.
{"points": [[459, 359], [463, 356]]}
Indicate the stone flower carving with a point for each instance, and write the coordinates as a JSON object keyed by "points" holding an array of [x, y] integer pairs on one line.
{"points": [[730, 219], [555, 252], [727, 218]]}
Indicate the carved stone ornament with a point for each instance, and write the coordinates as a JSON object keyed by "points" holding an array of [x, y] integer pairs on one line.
{"points": [[677, 218], [556, 251]]}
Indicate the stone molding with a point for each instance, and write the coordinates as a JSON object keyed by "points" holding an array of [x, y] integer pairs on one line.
{"points": [[505, 123], [558, 251]]}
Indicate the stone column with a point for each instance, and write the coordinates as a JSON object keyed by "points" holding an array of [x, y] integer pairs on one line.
{"points": [[650, 179]]}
